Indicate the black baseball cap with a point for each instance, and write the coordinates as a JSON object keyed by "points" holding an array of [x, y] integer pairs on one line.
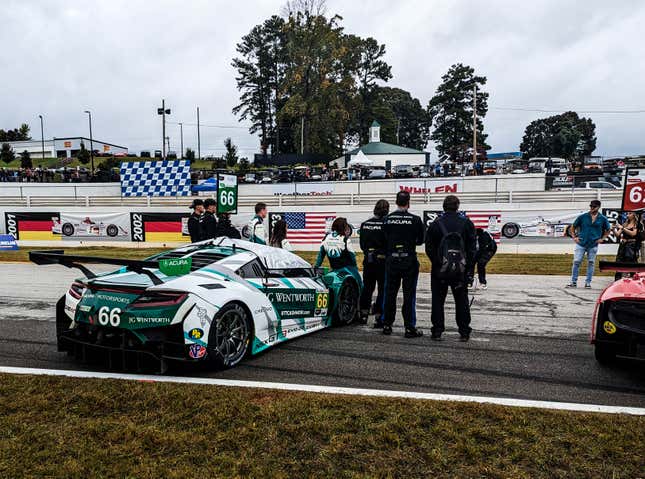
{"points": [[196, 202], [594, 204], [209, 202]]}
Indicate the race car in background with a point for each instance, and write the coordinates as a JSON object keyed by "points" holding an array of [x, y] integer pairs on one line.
{"points": [[618, 325], [214, 301], [540, 227], [87, 228]]}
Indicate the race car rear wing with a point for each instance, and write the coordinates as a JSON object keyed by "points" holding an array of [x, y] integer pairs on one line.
{"points": [[75, 261], [622, 267]]}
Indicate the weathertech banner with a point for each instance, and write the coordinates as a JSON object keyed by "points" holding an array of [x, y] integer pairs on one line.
{"points": [[31, 226], [160, 227], [92, 226]]}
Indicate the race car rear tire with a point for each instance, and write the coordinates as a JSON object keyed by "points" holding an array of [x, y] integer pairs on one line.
{"points": [[230, 335], [510, 230], [112, 231], [604, 354], [347, 307], [67, 229]]}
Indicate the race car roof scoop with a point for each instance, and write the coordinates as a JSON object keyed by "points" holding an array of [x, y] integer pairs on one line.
{"points": [[621, 267], [75, 261]]}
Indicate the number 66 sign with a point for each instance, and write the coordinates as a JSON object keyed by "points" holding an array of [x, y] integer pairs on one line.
{"points": [[634, 189], [227, 194]]}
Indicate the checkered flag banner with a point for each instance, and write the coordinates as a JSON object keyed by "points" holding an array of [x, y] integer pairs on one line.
{"points": [[155, 178]]}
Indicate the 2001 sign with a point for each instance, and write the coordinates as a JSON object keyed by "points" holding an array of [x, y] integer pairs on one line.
{"points": [[109, 316]]}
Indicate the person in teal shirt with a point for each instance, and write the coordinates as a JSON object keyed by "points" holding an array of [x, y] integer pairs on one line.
{"points": [[588, 231], [337, 246]]}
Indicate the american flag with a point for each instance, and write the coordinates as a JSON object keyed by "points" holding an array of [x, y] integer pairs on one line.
{"points": [[304, 228], [488, 220]]}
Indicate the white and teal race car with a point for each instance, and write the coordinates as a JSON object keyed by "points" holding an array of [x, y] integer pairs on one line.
{"points": [[216, 301]]}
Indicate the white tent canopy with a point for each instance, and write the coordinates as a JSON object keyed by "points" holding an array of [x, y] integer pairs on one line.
{"points": [[360, 159]]}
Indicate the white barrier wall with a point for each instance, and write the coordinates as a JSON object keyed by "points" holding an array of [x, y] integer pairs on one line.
{"points": [[499, 183]]}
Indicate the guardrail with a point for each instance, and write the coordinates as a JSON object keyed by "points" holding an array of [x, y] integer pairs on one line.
{"points": [[509, 197]]}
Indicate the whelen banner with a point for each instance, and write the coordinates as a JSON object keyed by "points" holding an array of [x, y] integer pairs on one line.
{"points": [[422, 187], [634, 190]]}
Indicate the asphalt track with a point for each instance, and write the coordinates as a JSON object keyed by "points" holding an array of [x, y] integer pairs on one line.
{"points": [[530, 341]]}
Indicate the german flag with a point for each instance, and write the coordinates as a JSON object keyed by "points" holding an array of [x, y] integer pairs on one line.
{"points": [[164, 227], [36, 226]]}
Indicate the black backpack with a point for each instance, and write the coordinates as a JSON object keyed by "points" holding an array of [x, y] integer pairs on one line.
{"points": [[452, 255]]}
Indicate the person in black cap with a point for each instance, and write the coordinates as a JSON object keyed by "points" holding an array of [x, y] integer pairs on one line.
{"points": [[372, 242], [195, 221], [451, 246], [403, 232], [209, 223]]}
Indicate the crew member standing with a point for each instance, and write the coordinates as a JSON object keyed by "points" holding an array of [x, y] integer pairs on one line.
{"points": [[403, 232], [225, 228], [195, 221], [451, 247], [257, 231], [209, 223], [372, 242]]}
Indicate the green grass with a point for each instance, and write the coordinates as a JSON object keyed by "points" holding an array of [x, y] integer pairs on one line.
{"points": [[549, 264], [64, 427]]}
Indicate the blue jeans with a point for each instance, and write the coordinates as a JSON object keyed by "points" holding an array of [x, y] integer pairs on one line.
{"points": [[578, 254]]}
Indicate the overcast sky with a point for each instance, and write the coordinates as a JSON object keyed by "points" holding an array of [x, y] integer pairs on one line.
{"points": [[119, 58]]}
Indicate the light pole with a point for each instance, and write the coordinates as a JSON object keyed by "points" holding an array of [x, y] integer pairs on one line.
{"points": [[89, 114], [163, 112], [181, 135], [42, 138], [199, 141]]}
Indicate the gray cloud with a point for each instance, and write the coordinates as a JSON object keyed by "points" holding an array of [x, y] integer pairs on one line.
{"points": [[119, 58]]}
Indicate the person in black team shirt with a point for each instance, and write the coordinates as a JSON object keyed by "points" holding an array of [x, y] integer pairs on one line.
{"points": [[209, 223], [450, 265], [225, 228], [372, 242], [403, 232], [486, 249], [195, 221]]}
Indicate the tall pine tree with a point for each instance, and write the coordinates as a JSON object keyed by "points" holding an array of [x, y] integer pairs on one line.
{"points": [[451, 112]]}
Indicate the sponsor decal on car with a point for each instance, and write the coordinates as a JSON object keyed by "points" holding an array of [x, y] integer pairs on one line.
{"points": [[196, 351], [609, 327], [196, 333]]}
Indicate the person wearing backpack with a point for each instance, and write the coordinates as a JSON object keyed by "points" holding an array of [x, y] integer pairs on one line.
{"points": [[451, 246], [403, 232]]}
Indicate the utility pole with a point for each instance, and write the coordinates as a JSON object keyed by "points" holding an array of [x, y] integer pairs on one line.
{"points": [[302, 135], [163, 112], [474, 126], [181, 135], [199, 144], [42, 138], [91, 141], [398, 124]]}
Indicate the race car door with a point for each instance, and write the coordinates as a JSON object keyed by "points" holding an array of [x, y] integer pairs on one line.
{"points": [[301, 303]]}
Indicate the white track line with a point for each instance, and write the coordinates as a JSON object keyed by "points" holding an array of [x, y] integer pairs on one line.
{"points": [[563, 406]]}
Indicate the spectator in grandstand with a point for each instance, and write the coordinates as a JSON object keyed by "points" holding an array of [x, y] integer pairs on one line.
{"points": [[195, 221], [486, 249], [279, 236], [209, 223], [588, 231], [257, 231], [225, 228]]}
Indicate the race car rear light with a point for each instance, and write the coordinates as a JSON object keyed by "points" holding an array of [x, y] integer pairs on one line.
{"points": [[76, 290], [157, 299]]}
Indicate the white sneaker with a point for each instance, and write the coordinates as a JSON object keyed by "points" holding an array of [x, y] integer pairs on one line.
{"points": [[483, 286]]}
